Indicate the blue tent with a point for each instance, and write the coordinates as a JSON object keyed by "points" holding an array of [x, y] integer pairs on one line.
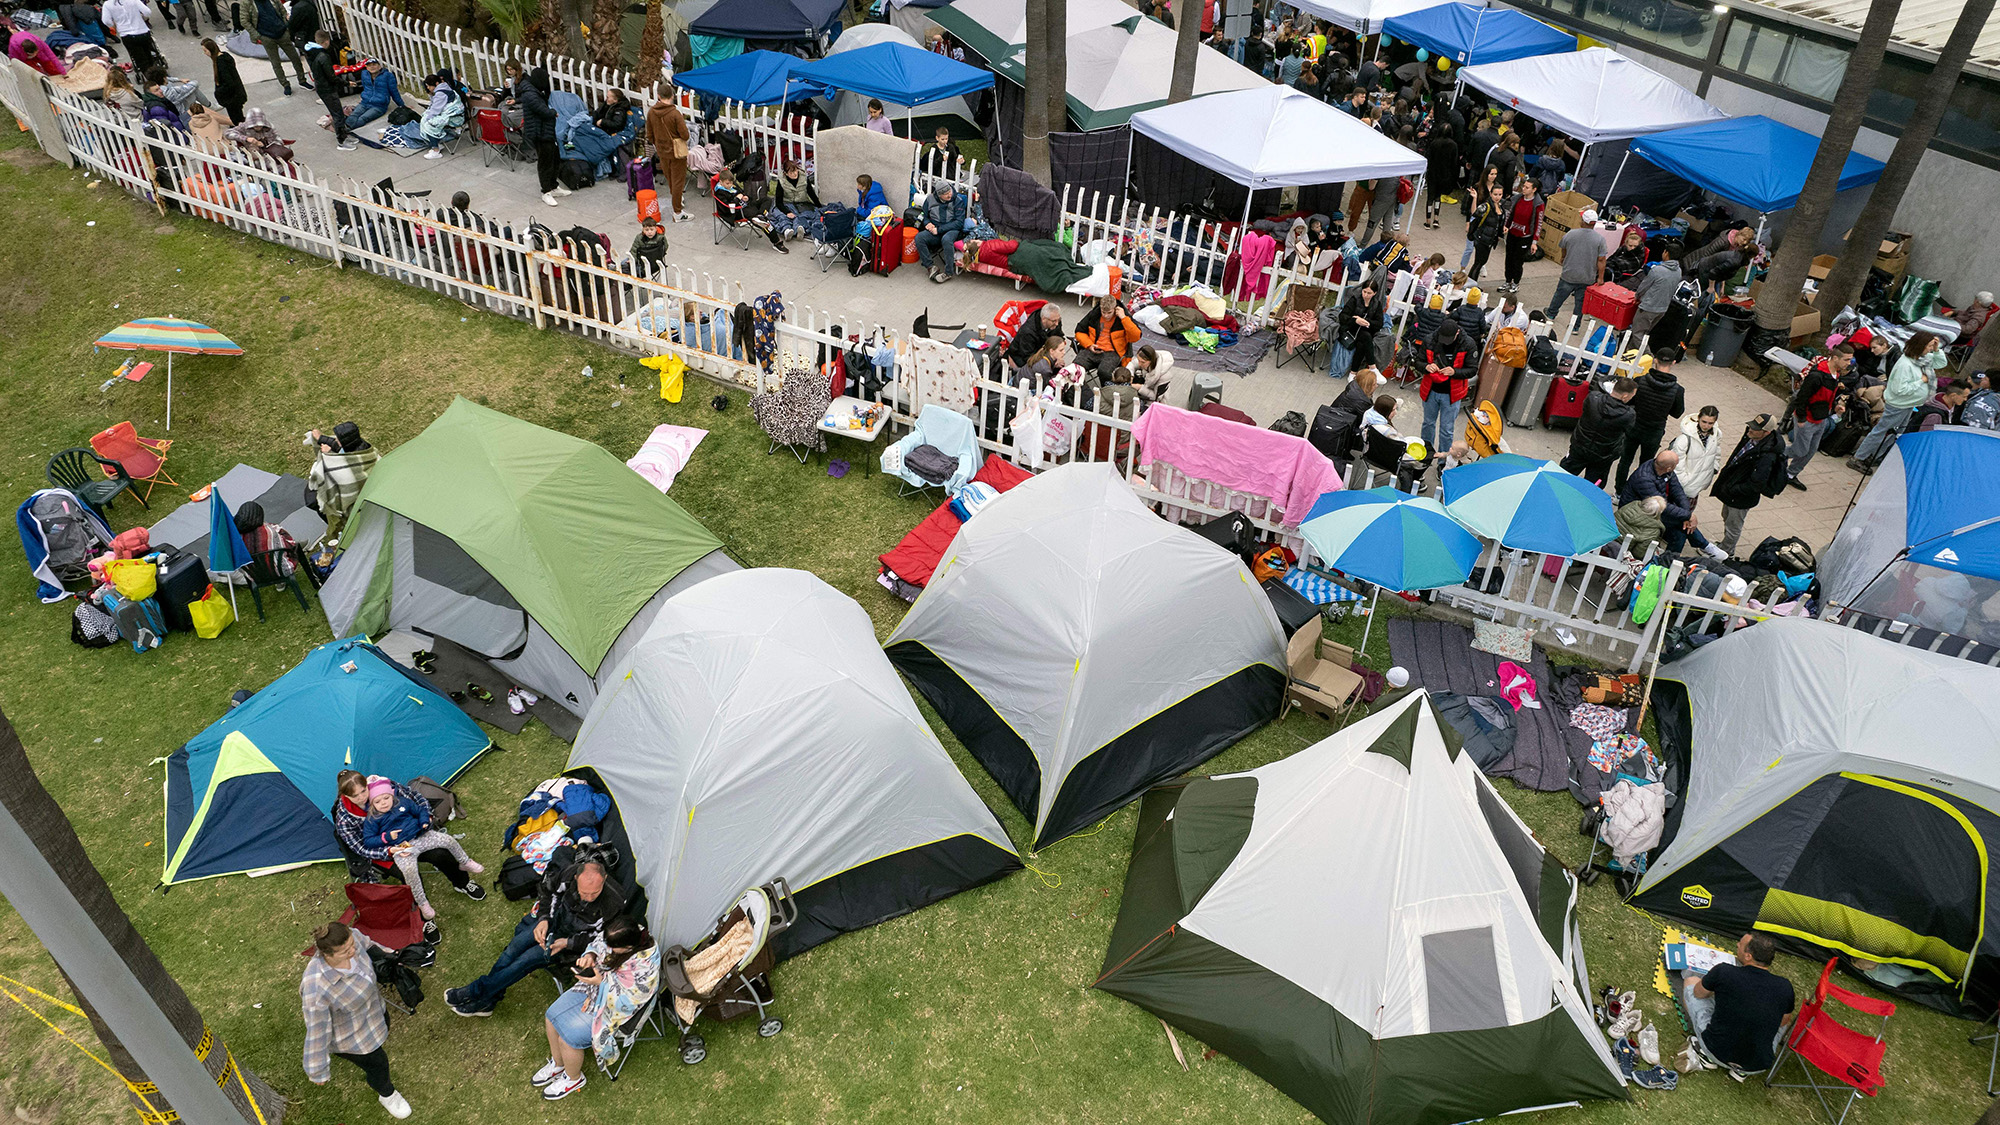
{"points": [[755, 77], [253, 790], [769, 19], [1753, 160], [1468, 34], [898, 74]]}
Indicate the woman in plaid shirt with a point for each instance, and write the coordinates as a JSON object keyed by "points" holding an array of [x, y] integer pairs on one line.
{"points": [[344, 1013]]}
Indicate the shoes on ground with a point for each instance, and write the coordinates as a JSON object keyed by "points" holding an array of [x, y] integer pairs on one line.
{"points": [[563, 1087], [549, 1072], [561, 190], [549, 198], [473, 891]]}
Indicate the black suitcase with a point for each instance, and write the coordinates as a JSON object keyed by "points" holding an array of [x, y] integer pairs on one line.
{"points": [[1332, 431], [183, 581], [1233, 532]]}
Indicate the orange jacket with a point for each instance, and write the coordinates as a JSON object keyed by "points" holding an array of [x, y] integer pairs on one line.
{"points": [[1119, 339]]}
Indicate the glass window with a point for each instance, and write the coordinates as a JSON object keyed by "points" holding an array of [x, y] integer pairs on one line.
{"points": [[1755, 49], [1681, 27], [1784, 57], [1971, 120]]}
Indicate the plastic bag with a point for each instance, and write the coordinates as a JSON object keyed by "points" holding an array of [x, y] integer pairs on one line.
{"points": [[211, 615], [134, 579]]}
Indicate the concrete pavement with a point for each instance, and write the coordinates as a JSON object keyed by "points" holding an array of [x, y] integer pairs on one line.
{"points": [[508, 192]]}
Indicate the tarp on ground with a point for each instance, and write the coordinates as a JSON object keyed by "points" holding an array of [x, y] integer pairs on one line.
{"points": [[1469, 34], [1753, 160], [769, 19], [757, 731], [1364, 17], [1276, 137], [254, 789], [1368, 927], [754, 77], [1920, 547], [1591, 95], [897, 73]]}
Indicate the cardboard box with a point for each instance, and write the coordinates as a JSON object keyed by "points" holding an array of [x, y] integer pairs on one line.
{"points": [[1805, 318], [1694, 225], [1567, 207], [1822, 266]]}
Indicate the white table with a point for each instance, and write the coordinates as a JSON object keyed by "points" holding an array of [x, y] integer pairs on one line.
{"points": [[845, 409]]}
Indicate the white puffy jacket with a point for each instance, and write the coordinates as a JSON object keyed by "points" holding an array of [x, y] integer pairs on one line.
{"points": [[1701, 458]]}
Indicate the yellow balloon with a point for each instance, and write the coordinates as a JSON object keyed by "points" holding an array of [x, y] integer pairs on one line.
{"points": [[1444, 64]]}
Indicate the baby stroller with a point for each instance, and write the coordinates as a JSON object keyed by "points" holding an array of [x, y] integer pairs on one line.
{"points": [[727, 973], [837, 238]]}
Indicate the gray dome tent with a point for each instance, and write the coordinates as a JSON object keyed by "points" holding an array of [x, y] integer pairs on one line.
{"points": [[1083, 648], [756, 731]]}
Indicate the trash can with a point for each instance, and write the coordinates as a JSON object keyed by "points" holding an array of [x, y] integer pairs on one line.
{"points": [[1204, 387], [1722, 338], [1524, 399]]}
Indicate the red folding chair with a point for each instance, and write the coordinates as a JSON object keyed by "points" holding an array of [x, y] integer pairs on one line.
{"points": [[145, 459], [386, 913], [493, 136], [1820, 1042]]}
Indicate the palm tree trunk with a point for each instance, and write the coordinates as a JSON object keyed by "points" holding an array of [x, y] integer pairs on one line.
{"points": [[1843, 285], [1802, 234], [1986, 353], [1187, 42], [652, 44], [606, 32], [34, 813], [1056, 61], [1035, 110]]}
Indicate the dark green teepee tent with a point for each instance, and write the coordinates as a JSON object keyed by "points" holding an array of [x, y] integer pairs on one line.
{"points": [[1366, 926]]}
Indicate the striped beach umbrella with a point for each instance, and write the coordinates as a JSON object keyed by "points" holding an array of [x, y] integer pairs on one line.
{"points": [[174, 337], [1395, 540], [1529, 504]]}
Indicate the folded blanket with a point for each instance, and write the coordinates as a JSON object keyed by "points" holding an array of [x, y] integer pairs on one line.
{"points": [[1018, 205], [706, 969]]}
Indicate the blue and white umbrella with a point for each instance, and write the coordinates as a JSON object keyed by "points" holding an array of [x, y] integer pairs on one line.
{"points": [[1528, 504], [227, 552], [1392, 539]]}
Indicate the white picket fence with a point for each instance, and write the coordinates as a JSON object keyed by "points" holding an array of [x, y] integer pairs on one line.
{"points": [[413, 47]]}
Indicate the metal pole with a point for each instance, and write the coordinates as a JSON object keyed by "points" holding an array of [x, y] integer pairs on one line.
{"points": [[1614, 176], [1370, 623], [1578, 182], [170, 390], [1125, 185]]}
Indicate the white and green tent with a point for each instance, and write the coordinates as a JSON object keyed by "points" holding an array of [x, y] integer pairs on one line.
{"points": [[1367, 926]]}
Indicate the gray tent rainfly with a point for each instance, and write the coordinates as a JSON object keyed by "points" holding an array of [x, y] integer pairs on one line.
{"points": [[1368, 927], [756, 731], [1083, 648]]}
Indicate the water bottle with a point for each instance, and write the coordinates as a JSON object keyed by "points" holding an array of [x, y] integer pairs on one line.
{"points": [[587, 372]]}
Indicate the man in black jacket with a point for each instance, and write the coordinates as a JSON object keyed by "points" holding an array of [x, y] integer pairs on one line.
{"points": [[1036, 330], [1656, 477], [1661, 397], [319, 60], [273, 33], [570, 911], [1754, 471], [1600, 434]]}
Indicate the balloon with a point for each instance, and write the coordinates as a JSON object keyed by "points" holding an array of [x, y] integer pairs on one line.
{"points": [[1444, 64], [1423, 55]]}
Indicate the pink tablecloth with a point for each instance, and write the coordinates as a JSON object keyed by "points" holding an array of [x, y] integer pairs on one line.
{"points": [[1264, 462]]}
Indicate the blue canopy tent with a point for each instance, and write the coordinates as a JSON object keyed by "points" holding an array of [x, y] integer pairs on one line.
{"points": [[754, 78], [769, 19], [899, 74], [1468, 34], [1753, 161], [252, 791]]}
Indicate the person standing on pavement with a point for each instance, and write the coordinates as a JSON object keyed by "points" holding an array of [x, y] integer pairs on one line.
{"points": [[1583, 258], [667, 132], [1700, 450], [1753, 471], [319, 60], [1912, 381], [274, 34], [229, 91], [1600, 432], [1450, 364], [1524, 232], [133, 24], [1816, 403], [1485, 228], [1653, 292], [538, 124], [1660, 398]]}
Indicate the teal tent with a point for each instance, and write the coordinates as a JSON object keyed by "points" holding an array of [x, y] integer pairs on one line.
{"points": [[252, 791]]}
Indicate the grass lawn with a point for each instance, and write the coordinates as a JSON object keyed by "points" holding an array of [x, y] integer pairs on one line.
{"points": [[974, 1010]]}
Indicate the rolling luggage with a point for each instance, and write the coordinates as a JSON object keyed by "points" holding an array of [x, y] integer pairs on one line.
{"points": [[1332, 432], [638, 177], [887, 249], [1565, 402], [183, 581]]}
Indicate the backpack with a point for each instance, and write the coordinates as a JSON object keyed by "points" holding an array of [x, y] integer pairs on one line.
{"points": [[91, 627], [1542, 356], [1510, 347], [1405, 190], [68, 535], [1293, 423], [139, 622], [576, 174], [730, 141], [1791, 555]]}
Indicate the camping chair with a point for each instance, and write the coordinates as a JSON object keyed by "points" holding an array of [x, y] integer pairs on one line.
{"points": [[387, 915], [790, 415], [696, 989], [267, 569], [647, 1025], [838, 237], [727, 225], [145, 459], [493, 137], [1326, 687], [942, 431], [71, 469], [1819, 1042]]}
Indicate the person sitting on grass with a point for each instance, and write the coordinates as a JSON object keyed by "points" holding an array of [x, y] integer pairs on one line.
{"points": [[1737, 1011], [616, 977], [404, 827]]}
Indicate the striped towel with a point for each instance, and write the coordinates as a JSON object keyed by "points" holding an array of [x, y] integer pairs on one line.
{"points": [[1318, 589]]}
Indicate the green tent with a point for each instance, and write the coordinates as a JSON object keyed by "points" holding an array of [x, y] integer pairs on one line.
{"points": [[1368, 927], [537, 550]]}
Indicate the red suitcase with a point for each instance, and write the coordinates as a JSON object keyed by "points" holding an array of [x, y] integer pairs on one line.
{"points": [[1611, 303], [888, 249], [1565, 402]]}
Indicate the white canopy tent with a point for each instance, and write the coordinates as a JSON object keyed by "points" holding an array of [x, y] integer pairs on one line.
{"points": [[1591, 95], [1275, 137], [1117, 71], [1363, 17], [849, 108]]}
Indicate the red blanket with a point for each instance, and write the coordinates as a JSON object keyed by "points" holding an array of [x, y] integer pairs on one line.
{"points": [[916, 557]]}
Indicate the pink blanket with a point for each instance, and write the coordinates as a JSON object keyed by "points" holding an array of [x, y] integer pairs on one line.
{"points": [[665, 454], [1264, 462]]}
